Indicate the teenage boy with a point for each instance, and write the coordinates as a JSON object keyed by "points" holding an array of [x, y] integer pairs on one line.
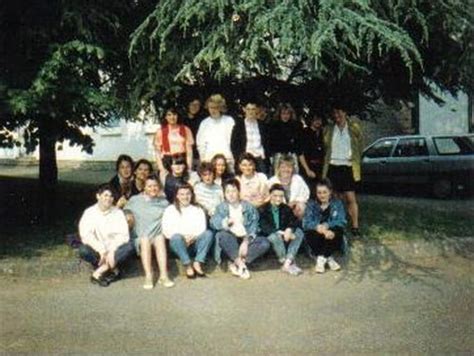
{"points": [[280, 225], [104, 233]]}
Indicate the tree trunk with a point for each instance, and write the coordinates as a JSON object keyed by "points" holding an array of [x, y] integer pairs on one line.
{"points": [[48, 169]]}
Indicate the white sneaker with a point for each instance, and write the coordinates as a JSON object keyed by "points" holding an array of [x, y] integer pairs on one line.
{"points": [[333, 265], [165, 282], [234, 269], [244, 273], [148, 283], [320, 263]]}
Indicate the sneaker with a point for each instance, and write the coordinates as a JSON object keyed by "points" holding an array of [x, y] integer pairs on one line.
{"points": [[101, 281], [320, 263], [112, 276], [244, 273], [333, 265], [165, 282], [234, 269], [148, 283], [292, 270]]}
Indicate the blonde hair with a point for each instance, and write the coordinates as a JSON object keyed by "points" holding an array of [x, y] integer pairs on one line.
{"points": [[217, 99]]}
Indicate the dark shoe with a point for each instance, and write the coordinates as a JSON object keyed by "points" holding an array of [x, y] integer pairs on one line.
{"points": [[356, 235], [101, 281], [112, 277]]}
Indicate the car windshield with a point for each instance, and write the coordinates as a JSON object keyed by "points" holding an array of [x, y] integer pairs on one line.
{"points": [[458, 145]]}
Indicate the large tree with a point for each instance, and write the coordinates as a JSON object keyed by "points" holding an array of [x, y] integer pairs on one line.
{"points": [[63, 66], [305, 51]]}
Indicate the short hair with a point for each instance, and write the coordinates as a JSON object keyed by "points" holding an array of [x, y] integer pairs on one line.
{"points": [[155, 178], [324, 182], [217, 99], [285, 106], [277, 186], [122, 158], [103, 188], [286, 158], [247, 157], [143, 161], [205, 167], [234, 182]]}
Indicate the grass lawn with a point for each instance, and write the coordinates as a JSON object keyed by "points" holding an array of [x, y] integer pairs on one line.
{"points": [[23, 236]]}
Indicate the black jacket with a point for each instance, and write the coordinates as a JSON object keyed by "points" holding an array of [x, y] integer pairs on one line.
{"points": [[238, 141], [287, 219], [285, 137]]}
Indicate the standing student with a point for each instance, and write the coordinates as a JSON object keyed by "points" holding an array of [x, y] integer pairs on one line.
{"points": [[147, 209], [142, 170], [236, 223], [121, 183], [221, 168], [208, 194], [253, 185], [281, 227], [284, 133], [343, 142], [312, 150], [250, 136], [296, 190], [324, 221], [104, 233], [215, 131], [172, 138], [193, 119], [185, 225]]}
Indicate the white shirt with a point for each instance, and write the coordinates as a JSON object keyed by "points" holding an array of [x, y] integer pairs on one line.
{"points": [[214, 136], [254, 139], [190, 222], [299, 191], [103, 230], [341, 152], [236, 214]]}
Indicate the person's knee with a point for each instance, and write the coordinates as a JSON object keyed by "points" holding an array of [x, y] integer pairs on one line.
{"points": [[273, 237]]}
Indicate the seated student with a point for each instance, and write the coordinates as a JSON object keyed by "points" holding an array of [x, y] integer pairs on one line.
{"points": [[104, 233], [221, 169], [208, 194], [236, 223], [324, 221], [296, 189], [253, 185], [185, 225], [142, 170], [121, 183], [178, 174], [172, 138], [280, 225], [147, 209]]}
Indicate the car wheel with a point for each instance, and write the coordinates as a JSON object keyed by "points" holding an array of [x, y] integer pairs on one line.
{"points": [[442, 188]]}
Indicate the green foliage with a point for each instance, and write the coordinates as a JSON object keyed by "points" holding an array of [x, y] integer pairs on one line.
{"points": [[368, 47]]}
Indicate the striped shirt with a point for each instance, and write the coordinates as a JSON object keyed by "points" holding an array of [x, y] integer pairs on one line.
{"points": [[208, 196]]}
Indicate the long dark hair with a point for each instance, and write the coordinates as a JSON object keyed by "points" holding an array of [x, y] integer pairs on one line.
{"points": [[173, 110], [178, 188]]}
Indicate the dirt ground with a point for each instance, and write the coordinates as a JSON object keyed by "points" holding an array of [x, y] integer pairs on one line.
{"points": [[427, 307]]}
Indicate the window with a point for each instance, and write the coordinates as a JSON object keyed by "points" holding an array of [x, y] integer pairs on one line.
{"points": [[411, 147], [380, 149], [454, 145]]}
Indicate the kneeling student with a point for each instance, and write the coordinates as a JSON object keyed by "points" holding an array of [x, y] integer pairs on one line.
{"points": [[324, 221], [104, 233], [280, 225], [236, 223], [185, 225]]}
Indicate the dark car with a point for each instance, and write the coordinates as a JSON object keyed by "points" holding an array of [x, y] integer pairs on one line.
{"points": [[444, 164]]}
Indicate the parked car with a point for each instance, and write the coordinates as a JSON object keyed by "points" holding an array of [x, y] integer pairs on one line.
{"points": [[443, 163]]}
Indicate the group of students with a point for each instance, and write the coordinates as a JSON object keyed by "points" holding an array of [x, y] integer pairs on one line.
{"points": [[228, 207]]}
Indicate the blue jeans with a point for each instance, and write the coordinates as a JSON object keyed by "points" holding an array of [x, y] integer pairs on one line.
{"points": [[281, 250], [90, 255], [230, 244], [200, 247]]}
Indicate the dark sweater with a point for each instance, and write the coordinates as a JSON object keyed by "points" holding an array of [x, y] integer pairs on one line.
{"points": [[285, 137], [267, 224], [238, 142]]}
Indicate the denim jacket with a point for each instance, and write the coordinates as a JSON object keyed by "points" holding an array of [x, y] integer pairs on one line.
{"points": [[312, 215], [249, 212]]}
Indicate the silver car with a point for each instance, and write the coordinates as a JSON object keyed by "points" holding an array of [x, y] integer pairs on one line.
{"points": [[444, 163]]}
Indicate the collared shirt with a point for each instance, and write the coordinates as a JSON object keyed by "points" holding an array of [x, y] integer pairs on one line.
{"points": [[254, 140], [341, 152], [103, 230], [254, 189]]}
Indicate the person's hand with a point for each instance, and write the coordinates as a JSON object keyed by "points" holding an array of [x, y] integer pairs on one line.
{"points": [[189, 240], [102, 258], [310, 173], [288, 235], [230, 222], [321, 229], [329, 235], [244, 248], [121, 202]]}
